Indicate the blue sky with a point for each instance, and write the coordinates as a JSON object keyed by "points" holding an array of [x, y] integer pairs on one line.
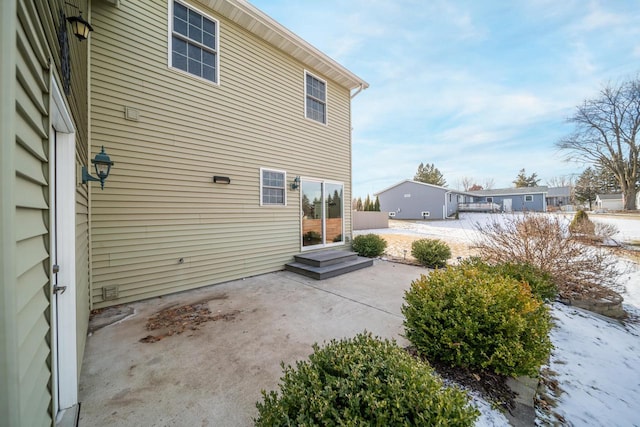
{"points": [[481, 89]]}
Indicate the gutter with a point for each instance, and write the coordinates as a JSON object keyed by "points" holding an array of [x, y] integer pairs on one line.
{"points": [[360, 89]]}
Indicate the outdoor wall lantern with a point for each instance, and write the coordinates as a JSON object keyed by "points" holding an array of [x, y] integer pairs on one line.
{"points": [[102, 164], [80, 27], [296, 183], [221, 180]]}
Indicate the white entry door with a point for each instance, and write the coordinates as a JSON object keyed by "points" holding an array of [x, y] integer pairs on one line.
{"points": [[507, 205], [62, 184]]}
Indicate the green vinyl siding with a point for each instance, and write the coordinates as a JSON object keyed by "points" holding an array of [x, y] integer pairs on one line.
{"points": [[31, 221], [160, 203], [30, 59]]}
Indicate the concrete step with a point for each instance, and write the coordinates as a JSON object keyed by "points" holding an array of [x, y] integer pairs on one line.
{"points": [[331, 270], [325, 258]]}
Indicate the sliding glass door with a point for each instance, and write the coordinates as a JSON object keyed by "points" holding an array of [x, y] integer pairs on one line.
{"points": [[322, 213]]}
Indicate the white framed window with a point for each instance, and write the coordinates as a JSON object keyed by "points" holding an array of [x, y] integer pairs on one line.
{"points": [[193, 41], [273, 187], [528, 198], [315, 98]]}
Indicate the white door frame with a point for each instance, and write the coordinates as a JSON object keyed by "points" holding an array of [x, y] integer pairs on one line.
{"points": [[324, 243], [63, 229]]}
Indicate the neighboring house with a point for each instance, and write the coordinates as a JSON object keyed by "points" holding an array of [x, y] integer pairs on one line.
{"points": [[223, 126], [559, 197], [529, 199], [613, 202], [416, 200]]}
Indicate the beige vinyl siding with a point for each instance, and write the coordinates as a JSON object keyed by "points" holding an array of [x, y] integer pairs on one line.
{"points": [[31, 204], [159, 203]]}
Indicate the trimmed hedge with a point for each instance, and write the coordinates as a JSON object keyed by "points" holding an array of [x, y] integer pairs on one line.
{"points": [[432, 253], [369, 245], [363, 381], [472, 317]]}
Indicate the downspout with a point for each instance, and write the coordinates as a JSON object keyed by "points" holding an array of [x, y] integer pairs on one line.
{"points": [[444, 207]]}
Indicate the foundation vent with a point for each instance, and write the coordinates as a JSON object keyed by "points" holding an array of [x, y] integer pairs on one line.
{"points": [[109, 292]]}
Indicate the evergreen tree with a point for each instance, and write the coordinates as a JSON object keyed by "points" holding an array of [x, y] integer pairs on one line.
{"points": [[376, 205], [429, 174], [359, 205], [522, 180], [587, 187], [367, 203]]}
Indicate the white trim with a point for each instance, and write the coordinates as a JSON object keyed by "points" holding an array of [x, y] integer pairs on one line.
{"points": [[170, 37], [528, 196], [326, 100], [285, 187], [63, 330]]}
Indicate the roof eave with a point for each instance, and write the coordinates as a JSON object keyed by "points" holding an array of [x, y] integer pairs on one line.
{"points": [[257, 22]]}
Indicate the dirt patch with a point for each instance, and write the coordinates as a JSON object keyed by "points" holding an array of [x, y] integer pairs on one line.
{"points": [[491, 386], [176, 320], [399, 247]]}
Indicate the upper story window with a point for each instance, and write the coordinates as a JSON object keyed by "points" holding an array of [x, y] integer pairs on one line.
{"points": [[315, 98], [194, 42], [272, 187]]}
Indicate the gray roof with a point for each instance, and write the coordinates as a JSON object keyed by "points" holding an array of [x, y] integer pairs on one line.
{"points": [[511, 191], [425, 184], [559, 192], [617, 196]]}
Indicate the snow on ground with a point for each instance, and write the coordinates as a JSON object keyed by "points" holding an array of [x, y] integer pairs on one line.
{"points": [[597, 365], [596, 361]]}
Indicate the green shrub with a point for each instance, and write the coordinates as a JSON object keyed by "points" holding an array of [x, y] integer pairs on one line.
{"points": [[431, 253], [369, 245], [363, 381], [581, 224], [540, 282], [472, 317]]}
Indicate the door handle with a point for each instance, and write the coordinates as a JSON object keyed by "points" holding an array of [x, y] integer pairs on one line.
{"points": [[60, 289]]}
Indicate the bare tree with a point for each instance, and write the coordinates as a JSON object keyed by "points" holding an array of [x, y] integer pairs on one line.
{"points": [[605, 134], [560, 181], [466, 183], [489, 183]]}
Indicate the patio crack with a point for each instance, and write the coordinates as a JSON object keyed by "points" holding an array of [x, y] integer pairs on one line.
{"points": [[399, 316]]}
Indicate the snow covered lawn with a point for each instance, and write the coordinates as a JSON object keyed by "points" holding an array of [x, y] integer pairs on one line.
{"points": [[596, 361]]}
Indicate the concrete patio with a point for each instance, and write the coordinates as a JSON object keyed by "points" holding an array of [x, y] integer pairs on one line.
{"points": [[212, 376]]}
